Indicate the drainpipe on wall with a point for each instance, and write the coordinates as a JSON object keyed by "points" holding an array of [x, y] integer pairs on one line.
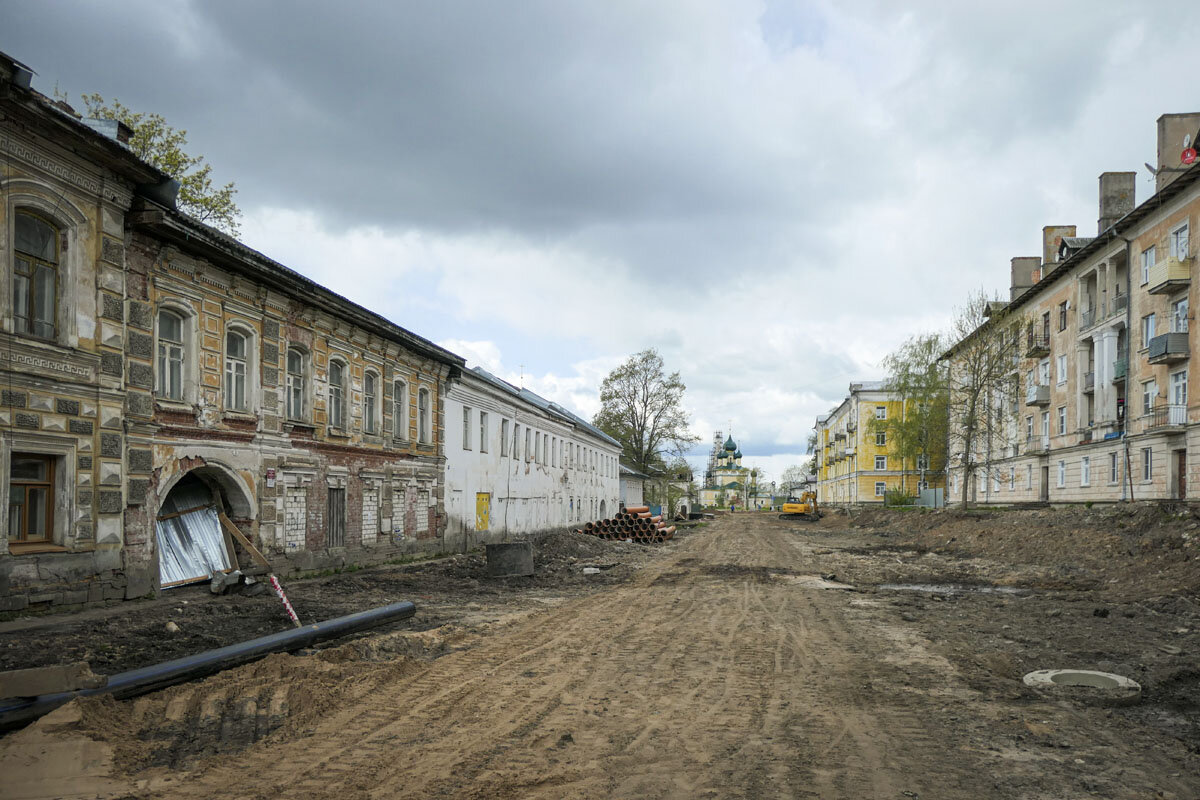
{"points": [[1128, 482]]}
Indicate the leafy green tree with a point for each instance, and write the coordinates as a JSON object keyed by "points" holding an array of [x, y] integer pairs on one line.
{"points": [[919, 379], [641, 406], [157, 143]]}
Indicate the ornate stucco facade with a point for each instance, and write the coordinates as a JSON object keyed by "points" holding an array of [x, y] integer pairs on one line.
{"points": [[142, 351]]}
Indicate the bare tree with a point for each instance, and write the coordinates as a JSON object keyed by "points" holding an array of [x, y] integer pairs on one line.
{"points": [[917, 377], [982, 376]]}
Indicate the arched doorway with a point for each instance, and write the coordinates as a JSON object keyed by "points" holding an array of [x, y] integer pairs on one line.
{"points": [[193, 521]]}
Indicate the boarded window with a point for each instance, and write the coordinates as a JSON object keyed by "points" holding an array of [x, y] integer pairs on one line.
{"points": [[335, 527]]}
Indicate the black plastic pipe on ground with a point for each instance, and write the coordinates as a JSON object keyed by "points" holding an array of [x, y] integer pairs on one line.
{"points": [[14, 713]]}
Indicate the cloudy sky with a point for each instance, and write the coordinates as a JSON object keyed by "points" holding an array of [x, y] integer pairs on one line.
{"points": [[773, 194]]}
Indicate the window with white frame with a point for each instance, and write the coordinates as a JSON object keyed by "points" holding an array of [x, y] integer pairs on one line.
{"points": [[466, 429], [1178, 241], [1149, 259], [545, 449], [1147, 463], [1012, 478], [337, 394], [370, 402], [400, 409], [880, 462], [170, 355], [1179, 316], [1029, 428], [1149, 395], [1062, 474], [1029, 477], [880, 488], [1179, 382], [516, 442], [1046, 423], [528, 444], [503, 438], [880, 439], [880, 412], [424, 417], [554, 451], [297, 384], [923, 461], [1061, 363], [483, 432], [236, 351], [1085, 470], [1062, 420], [1114, 467], [1148, 325]]}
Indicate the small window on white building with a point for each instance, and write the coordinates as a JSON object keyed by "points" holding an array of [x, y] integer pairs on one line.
{"points": [[528, 444], [1062, 474], [1061, 363], [1149, 259], [1149, 396], [1114, 467], [503, 438], [1147, 463], [1062, 420], [1085, 470], [483, 432], [880, 412], [466, 429], [1012, 478], [1148, 326]]}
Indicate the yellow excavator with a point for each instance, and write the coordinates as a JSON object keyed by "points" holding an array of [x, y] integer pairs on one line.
{"points": [[802, 507]]}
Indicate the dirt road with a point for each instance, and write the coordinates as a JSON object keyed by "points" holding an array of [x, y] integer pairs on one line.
{"points": [[727, 668]]}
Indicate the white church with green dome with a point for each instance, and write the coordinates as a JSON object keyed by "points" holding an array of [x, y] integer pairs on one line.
{"points": [[725, 480]]}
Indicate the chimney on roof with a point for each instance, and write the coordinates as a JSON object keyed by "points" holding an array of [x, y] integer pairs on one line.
{"points": [[1116, 198], [1176, 133], [1026, 271], [1052, 236]]}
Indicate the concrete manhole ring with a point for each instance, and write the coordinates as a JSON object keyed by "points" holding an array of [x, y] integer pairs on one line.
{"points": [[1102, 687]]}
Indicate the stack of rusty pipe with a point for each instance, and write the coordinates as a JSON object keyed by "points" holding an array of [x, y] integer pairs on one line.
{"points": [[633, 524]]}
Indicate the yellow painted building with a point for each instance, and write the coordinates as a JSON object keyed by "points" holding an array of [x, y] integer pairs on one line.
{"points": [[855, 463]]}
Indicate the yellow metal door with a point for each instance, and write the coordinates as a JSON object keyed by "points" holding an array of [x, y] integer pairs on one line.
{"points": [[483, 510]]}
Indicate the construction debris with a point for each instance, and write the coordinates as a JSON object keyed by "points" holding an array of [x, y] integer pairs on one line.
{"points": [[634, 524]]}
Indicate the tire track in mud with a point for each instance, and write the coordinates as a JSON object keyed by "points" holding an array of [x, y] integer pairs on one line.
{"points": [[692, 681]]}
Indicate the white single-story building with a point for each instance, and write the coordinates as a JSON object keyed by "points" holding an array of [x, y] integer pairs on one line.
{"points": [[633, 486], [517, 463]]}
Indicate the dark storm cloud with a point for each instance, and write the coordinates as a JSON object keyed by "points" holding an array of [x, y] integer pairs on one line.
{"points": [[541, 118]]}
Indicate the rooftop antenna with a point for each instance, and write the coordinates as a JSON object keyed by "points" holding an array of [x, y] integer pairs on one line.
{"points": [[522, 366]]}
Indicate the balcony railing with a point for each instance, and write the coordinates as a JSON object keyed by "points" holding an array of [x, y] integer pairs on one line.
{"points": [[1169, 415], [1168, 348], [1168, 275], [1037, 395], [1120, 303], [1037, 444], [1089, 382], [1087, 319], [1037, 344], [1120, 369]]}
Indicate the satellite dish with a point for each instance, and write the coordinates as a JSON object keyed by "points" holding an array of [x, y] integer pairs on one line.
{"points": [[1153, 171]]}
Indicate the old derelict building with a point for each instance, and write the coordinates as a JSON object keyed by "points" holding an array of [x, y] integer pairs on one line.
{"points": [[156, 373], [1104, 355]]}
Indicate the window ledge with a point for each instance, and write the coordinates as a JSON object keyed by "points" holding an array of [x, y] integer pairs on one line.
{"points": [[31, 548], [241, 416], [164, 404], [337, 433]]}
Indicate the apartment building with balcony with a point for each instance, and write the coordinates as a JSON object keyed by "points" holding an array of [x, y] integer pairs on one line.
{"points": [[1102, 380], [858, 463]]}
